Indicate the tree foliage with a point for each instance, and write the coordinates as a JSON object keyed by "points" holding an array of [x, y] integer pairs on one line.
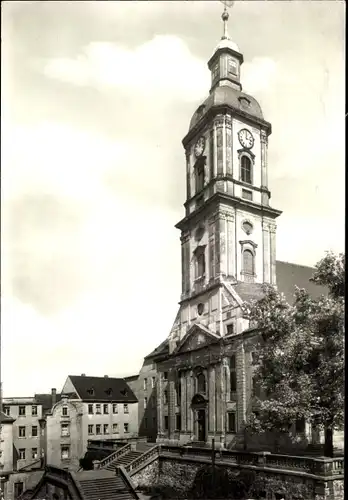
{"points": [[300, 355]]}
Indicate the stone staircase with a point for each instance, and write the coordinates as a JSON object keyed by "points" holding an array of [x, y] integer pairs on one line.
{"points": [[123, 460], [105, 488]]}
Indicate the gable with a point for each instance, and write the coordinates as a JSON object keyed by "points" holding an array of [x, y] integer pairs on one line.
{"points": [[197, 337]]}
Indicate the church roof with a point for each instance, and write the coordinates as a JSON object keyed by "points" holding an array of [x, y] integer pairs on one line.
{"points": [[290, 275], [163, 348], [231, 97], [102, 389]]}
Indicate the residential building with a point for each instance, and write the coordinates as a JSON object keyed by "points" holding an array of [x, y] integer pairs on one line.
{"points": [[90, 408], [28, 414]]}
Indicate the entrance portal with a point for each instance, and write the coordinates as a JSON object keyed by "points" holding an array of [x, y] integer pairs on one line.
{"points": [[201, 425]]}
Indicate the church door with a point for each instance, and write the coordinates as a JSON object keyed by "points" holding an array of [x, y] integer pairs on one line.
{"points": [[201, 425]]}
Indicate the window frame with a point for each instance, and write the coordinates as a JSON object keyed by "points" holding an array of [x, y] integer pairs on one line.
{"points": [[20, 450], [234, 426], [34, 411], [98, 409], [65, 412], [106, 430], [106, 407], [90, 429], [244, 171], [90, 409], [21, 434], [34, 453], [64, 425], [98, 428], [20, 411], [34, 434], [114, 408], [65, 447], [125, 408], [126, 428]]}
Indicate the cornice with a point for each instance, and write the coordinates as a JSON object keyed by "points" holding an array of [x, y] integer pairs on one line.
{"points": [[229, 201], [224, 108]]}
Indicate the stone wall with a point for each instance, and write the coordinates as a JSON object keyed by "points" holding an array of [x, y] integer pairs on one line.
{"points": [[178, 475]]}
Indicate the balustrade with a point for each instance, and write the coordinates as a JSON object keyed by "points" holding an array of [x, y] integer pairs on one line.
{"points": [[116, 454]]}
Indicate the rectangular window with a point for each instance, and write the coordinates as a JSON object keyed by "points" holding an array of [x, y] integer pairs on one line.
{"points": [[145, 423], [199, 177], [114, 428], [300, 426], [34, 411], [232, 66], [145, 384], [231, 422], [21, 454], [106, 429], [165, 375], [153, 382], [253, 358], [114, 408], [65, 431], [6, 410], [145, 402], [230, 329], [125, 408], [233, 362], [166, 423], [126, 427], [105, 409], [21, 432], [65, 411], [65, 452], [34, 431], [247, 195], [98, 429], [165, 397], [90, 429], [233, 381], [178, 422], [34, 453], [22, 411], [18, 489], [98, 409], [90, 410]]}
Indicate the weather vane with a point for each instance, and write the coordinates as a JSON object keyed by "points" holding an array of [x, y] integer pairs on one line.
{"points": [[225, 15]]}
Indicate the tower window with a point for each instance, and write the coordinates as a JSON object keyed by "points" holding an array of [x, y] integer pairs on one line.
{"points": [[215, 72], [199, 177], [248, 262], [200, 262], [246, 169], [232, 67]]}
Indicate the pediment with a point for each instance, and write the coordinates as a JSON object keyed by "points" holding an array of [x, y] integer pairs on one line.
{"points": [[196, 337]]}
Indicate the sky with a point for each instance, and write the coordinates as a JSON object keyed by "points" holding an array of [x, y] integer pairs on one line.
{"points": [[96, 98]]}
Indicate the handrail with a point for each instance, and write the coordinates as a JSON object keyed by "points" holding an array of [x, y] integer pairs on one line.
{"points": [[155, 450], [30, 464], [116, 454]]}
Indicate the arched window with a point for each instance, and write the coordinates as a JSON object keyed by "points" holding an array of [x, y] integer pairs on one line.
{"points": [[248, 262], [246, 169], [200, 262], [199, 177], [201, 385]]}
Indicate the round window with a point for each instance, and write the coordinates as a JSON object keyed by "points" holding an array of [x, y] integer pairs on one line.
{"points": [[200, 309]]}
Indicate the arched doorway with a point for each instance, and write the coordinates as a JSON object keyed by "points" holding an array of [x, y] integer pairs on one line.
{"points": [[199, 405]]}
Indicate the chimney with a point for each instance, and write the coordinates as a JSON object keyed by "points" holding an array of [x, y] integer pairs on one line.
{"points": [[54, 396], [83, 374]]}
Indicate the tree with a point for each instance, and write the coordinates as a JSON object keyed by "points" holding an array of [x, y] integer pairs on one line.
{"points": [[300, 355]]}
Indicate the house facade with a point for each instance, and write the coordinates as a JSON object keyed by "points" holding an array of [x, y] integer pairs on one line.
{"points": [[90, 408]]}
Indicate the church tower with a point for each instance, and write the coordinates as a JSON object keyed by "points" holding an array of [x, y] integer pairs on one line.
{"points": [[228, 234]]}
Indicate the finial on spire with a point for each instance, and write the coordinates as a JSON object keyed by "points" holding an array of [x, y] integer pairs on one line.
{"points": [[225, 16]]}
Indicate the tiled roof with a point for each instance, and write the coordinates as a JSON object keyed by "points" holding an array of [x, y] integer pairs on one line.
{"points": [[290, 275], [5, 418], [103, 389], [163, 348], [46, 400]]}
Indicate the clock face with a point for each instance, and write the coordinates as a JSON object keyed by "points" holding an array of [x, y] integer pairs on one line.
{"points": [[246, 138], [199, 147]]}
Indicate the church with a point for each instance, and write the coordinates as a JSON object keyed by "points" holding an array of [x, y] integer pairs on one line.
{"points": [[202, 374]]}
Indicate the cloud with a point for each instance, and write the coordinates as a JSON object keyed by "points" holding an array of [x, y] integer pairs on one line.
{"points": [[163, 65], [259, 74]]}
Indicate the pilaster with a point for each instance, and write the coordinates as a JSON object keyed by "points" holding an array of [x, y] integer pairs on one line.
{"points": [[171, 404], [159, 390], [241, 385], [212, 399], [230, 229], [219, 146], [272, 230], [228, 134], [188, 402], [188, 175], [211, 247], [219, 396], [183, 405], [266, 252]]}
